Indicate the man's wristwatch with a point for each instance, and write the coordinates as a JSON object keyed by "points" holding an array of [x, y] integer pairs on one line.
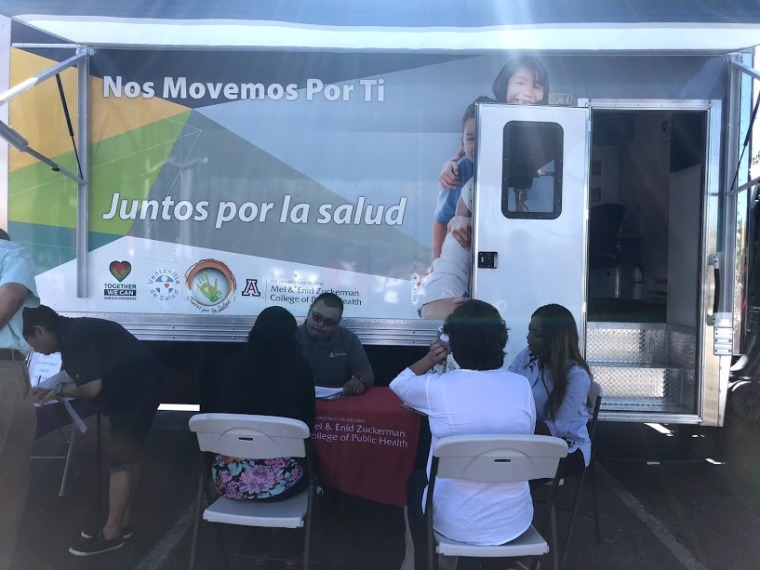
{"points": [[58, 390], [362, 380]]}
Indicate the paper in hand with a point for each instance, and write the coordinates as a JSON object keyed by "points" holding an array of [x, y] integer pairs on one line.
{"points": [[75, 418], [50, 382]]}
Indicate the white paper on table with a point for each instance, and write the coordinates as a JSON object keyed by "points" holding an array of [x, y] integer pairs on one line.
{"points": [[76, 419], [50, 382], [44, 366], [325, 393]]}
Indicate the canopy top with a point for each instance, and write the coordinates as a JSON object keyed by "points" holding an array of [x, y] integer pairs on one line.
{"points": [[710, 26]]}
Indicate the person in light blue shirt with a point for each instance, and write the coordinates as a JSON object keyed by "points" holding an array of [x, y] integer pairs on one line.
{"points": [[19, 292], [560, 380], [18, 420]]}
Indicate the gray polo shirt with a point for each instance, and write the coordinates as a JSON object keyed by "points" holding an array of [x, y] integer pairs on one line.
{"points": [[335, 360]]}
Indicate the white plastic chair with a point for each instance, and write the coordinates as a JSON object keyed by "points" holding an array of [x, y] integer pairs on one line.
{"points": [[256, 437], [494, 459]]}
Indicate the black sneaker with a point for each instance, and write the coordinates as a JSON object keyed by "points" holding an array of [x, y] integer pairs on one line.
{"points": [[90, 533], [96, 545]]}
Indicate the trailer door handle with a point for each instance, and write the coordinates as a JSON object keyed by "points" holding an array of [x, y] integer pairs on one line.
{"points": [[487, 259], [716, 298], [714, 260]]}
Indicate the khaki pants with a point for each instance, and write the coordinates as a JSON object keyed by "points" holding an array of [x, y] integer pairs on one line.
{"points": [[18, 424]]}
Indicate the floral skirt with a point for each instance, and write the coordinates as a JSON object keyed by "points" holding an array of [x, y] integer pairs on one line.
{"points": [[251, 479]]}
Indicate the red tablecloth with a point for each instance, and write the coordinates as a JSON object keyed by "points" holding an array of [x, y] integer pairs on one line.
{"points": [[366, 445], [54, 416]]}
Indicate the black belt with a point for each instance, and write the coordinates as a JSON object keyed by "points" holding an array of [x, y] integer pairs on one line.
{"points": [[11, 354]]}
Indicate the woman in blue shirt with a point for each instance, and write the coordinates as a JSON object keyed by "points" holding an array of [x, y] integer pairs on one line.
{"points": [[560, 380]]}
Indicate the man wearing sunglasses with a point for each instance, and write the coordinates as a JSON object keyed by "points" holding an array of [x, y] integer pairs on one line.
{"points": [[335, 353]]}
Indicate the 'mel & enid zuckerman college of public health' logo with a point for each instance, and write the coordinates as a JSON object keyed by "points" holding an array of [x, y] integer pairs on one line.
{"points": [[164, 284], [211, 285]]}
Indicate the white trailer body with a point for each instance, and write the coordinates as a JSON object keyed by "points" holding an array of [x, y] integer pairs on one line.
{"points": [[224, 166]]}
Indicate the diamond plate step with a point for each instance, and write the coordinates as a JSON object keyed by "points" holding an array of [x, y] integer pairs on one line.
{"points": [[645, 388], [640, 344]]}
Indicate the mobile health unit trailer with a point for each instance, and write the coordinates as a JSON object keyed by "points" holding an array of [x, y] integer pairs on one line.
{"points": [[178, 166]]}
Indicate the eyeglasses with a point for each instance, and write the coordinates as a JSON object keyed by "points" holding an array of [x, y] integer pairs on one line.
{"points": [[324, 320]]}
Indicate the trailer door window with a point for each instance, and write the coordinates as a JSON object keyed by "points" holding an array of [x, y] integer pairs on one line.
{"points": [[532, 170]]}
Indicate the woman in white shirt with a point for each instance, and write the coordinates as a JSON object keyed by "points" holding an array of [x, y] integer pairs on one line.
{"points": [[480, 397]]}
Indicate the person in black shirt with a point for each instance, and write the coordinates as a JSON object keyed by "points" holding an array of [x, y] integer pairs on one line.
{"points": [[109, 364]]}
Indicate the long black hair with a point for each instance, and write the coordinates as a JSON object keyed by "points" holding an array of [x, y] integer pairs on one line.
{"points": [[273, 335], [559, 335], [268, 374]]}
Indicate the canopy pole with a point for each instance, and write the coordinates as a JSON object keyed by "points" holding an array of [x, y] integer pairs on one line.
{"points": [[748, 70], [83, 186], [27, 84], [18, 141], [22, 145], [39, 45]]}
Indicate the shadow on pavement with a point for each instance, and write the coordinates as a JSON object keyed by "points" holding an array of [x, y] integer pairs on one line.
{"points": [[710, 509]]}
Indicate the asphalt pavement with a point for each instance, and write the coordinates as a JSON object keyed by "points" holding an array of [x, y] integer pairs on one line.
{"points": [[686, 499]]}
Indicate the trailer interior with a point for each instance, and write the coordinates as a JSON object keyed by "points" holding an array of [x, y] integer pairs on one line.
{"points": [[645, 205]]}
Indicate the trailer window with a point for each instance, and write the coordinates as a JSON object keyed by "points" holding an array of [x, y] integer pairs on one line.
{"points": [[531, 184]]}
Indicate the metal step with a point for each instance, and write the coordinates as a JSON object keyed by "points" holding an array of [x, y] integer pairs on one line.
{"points": [[640, 344], [645, 388]]}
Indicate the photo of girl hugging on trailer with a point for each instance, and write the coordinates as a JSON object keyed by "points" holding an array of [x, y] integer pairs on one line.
{"points": [[523, 81]]}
